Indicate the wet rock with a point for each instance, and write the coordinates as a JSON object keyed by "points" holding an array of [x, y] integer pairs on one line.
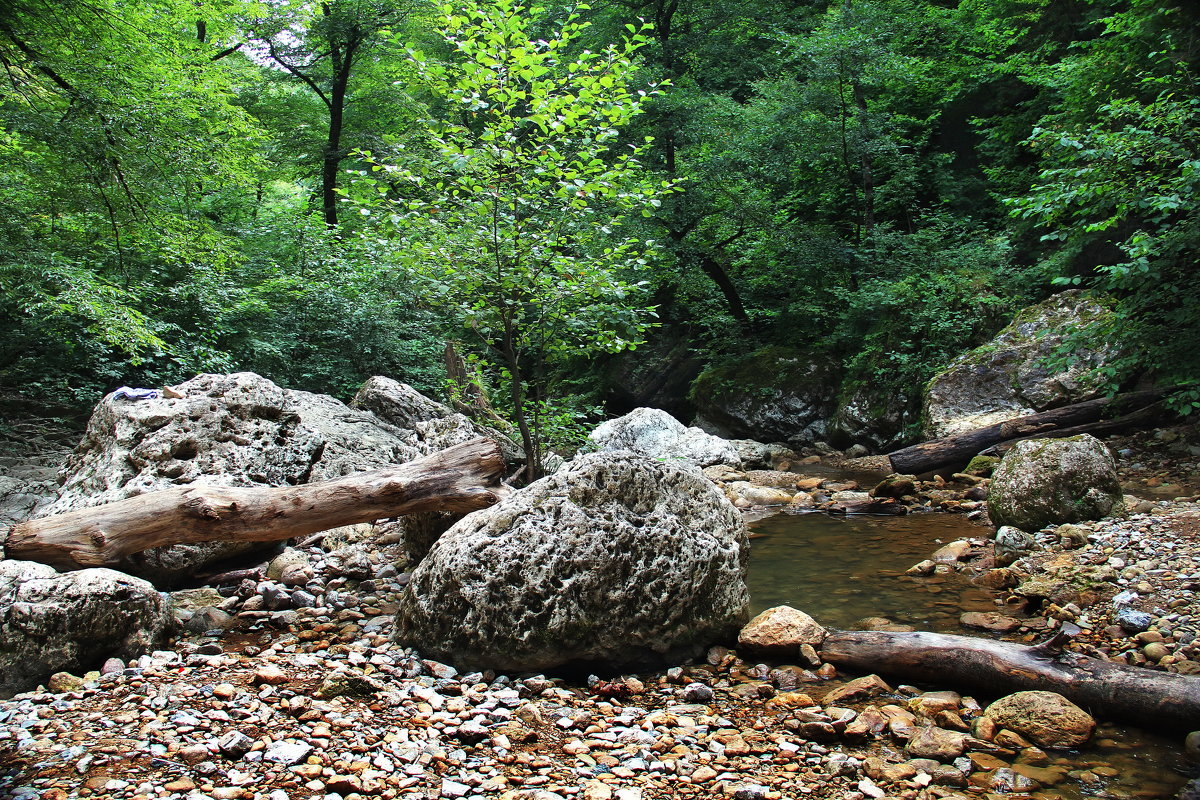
{"points": [[1046, 718], [1044, 482], [936, 743], [990, 621], [1011, 544], [781, 631], [1134, 621], [292, 563], [895, 486], [657, 434], [858, 689], [1071, 536], [761, 495], [51, 622], [617, 558]]}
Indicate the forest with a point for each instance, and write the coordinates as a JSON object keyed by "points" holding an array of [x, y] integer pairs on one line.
{"points": [[324, 191]]}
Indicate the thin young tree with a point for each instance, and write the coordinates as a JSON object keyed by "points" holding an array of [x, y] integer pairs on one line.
{"points": [[514, 204]]}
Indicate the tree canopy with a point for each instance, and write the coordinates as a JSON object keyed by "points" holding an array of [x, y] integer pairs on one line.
{"points": [[320, 191]]}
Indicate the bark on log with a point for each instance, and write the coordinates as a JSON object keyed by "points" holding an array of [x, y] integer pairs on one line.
{"points": [[1065, 421], [1109, 690], [461, 478]]}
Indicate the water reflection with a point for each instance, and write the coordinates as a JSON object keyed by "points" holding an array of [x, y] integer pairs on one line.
{"points": [[842, 569]]}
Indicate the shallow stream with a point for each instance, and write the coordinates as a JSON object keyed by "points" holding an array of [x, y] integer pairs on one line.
{"points": [[844, 569]]}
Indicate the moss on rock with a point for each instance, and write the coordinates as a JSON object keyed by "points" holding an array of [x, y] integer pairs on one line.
{"points": [[1044, 482]]}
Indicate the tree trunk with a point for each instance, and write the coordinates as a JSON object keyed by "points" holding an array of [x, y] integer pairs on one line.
{"points": [[461, 478], [1115, 691], [1058, 422]]}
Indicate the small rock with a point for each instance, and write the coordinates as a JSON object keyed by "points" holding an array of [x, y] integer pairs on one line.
{"points": [[989, 621], [62, 682], [234, 745], [1133, 621], [287, 753], [857, 689], [1047, 718], [936, 743], [780, 630], [270, 675]]}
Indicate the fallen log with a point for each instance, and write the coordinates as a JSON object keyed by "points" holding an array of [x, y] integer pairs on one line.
{"points": [[1134, 694], [1145, 417], [462, 478], [1065, 421]]}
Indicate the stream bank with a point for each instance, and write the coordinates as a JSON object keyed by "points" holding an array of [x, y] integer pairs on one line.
{"points": [[345, 713]]}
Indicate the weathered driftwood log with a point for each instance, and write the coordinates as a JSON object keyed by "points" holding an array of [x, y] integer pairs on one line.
{"points": [[1066, 421], [461, 478], [1110, 690]]}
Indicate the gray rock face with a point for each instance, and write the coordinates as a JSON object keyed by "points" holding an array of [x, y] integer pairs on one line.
{"points": [[618, 558], [775, 395], [72, 621], [1006, 378], [875, 421], [223, 430], [657, 434], [1044, 482]]}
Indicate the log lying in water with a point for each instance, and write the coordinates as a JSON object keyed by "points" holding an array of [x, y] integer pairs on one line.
{"points": [[1101, 415], [461, 478], [1116, 691]]}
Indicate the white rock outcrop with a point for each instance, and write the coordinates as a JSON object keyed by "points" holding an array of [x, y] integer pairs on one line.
{"points": [[657, 434]]}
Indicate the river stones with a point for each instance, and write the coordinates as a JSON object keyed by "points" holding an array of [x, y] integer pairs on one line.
{"points": [[1044, 482], [1011, 544], [780, 631], [51, 622], [1045, 718], [618, 558], [936, 743]]}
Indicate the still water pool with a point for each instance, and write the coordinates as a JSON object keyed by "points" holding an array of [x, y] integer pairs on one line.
{"points": [[840, 569], [843, 569]]}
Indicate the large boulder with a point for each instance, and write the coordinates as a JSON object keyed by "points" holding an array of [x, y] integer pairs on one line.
{"points": [[618, 558], [1008, 377], [657, 434], [223, 430], [774, 395], [1044, 482], [433, 425], [1048, 719], [52, 622]]}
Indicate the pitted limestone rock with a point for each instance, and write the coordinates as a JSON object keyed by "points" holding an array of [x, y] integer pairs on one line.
{"points": [[73, 621], [223, 430], [618, 558]]}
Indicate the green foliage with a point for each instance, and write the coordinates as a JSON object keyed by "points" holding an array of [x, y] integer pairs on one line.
{"points": [[1118, 189], [512, 206]]}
